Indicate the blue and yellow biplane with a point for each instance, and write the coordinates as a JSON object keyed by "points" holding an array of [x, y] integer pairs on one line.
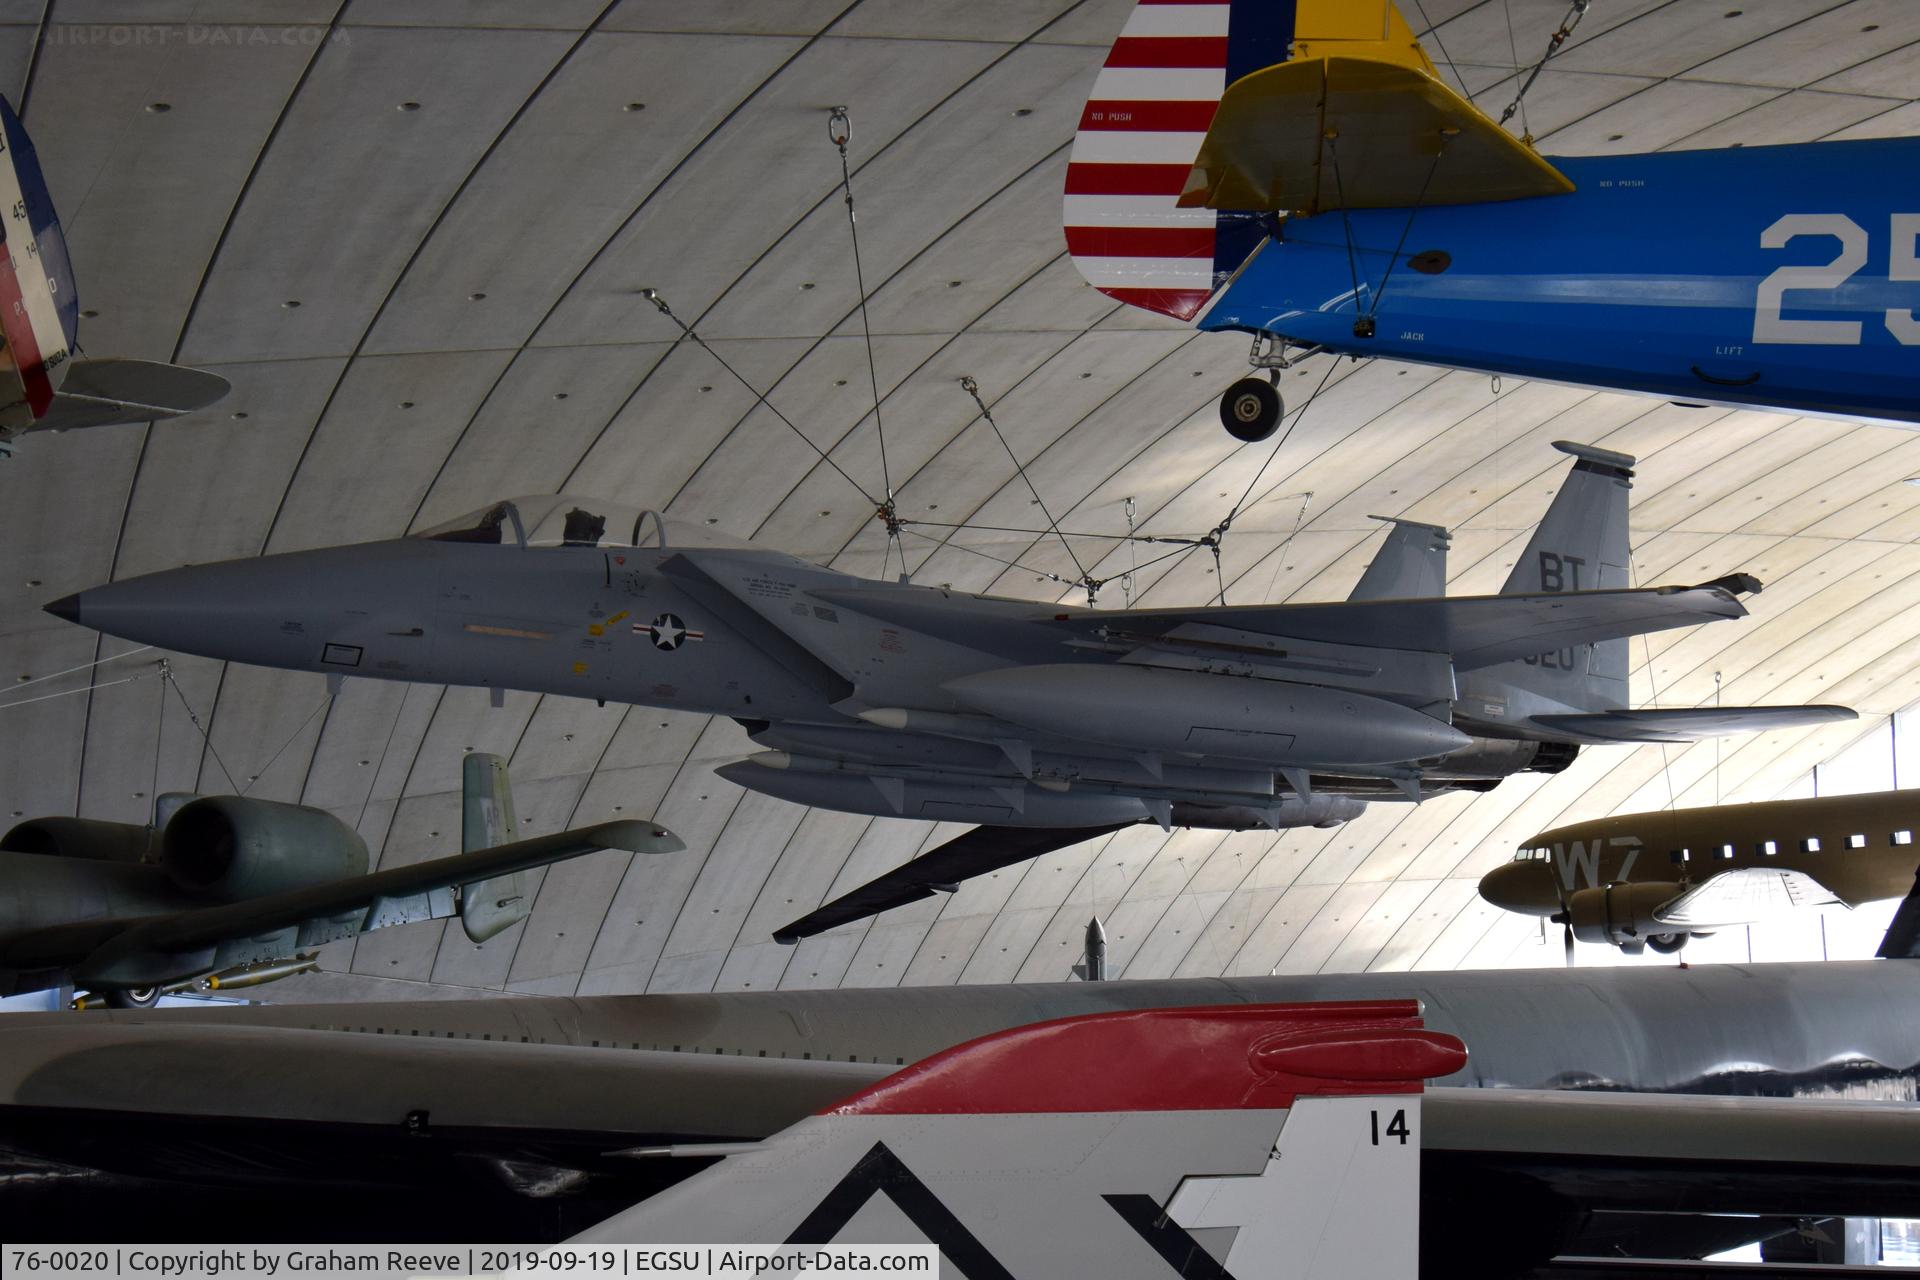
{"points": [[1298, 170]]}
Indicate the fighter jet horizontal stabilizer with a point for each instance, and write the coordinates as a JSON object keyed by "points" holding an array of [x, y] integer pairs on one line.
{"points": [[1689, 724]]}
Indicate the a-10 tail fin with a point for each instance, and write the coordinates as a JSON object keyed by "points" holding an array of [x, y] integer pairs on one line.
{"points": [[1235, 1141], [487, 822]]}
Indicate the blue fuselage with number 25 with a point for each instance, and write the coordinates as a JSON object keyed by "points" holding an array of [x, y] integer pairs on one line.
{"points": [[1784, 278]]}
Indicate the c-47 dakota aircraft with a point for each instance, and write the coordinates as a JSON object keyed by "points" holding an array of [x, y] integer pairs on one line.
{"points": [[919, 702], [1639, 880], [1297, 170]]}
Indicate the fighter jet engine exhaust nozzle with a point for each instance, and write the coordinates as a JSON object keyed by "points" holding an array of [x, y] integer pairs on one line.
{"points": [[232, 848]]}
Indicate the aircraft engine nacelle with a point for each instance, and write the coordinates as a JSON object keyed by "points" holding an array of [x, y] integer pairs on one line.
{"points": [[232, 848], [82, 838], [1621, 915]]}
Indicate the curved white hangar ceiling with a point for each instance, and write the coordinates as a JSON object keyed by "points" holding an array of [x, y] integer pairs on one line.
{"points": [[414, 235]]}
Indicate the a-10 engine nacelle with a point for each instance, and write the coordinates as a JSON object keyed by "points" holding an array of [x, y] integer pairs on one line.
{"points": [[232, 848], [222, 848], [1621, 915]]}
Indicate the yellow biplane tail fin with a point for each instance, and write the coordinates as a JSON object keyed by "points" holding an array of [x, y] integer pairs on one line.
{"points": [[1210, 116], [1356, 118]]}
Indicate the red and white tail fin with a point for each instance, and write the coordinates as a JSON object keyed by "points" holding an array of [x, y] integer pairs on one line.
{"points": [[1233, 1142], [1141, 129], [39, 310]]}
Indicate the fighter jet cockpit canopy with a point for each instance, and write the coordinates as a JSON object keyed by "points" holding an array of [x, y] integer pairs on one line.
{"points": [[566, 520]]}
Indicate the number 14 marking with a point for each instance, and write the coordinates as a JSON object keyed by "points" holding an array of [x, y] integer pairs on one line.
{"points": [[1396, 1127], [1904, 265]]}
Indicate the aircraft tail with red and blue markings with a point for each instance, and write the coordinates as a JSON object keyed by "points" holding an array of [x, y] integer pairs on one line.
{"points": [[44, 384], [39, 307], [1142, 126]]}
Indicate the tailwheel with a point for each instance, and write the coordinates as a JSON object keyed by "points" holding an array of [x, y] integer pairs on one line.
{"points": [[132, 997], [1251, 409]]}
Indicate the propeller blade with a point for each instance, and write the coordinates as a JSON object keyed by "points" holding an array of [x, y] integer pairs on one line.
{"points": [[1566, 939]]}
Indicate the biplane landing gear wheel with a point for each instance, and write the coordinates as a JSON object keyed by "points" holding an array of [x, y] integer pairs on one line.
{"points": [[132, 997], [1250, 409]]}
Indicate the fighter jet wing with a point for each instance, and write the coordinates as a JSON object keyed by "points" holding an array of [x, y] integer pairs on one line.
{"points": [[1478, 631], [146, 949], [976, 853], [1744, 895], [1690, 724]]}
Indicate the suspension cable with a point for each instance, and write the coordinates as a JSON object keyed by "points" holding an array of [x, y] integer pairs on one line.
{"points": [[972, 388], [1446, 135], [85, 666], [1042, 533], [653, 296], [1559, 38], [840, 132], [1340, 196], [1438, 43], [1220, 529], [949, 544], [166, 672], [275, 757], [67, 693]]}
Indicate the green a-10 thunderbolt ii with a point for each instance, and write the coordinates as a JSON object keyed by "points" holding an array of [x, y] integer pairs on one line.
{"points": [[233, 891]]}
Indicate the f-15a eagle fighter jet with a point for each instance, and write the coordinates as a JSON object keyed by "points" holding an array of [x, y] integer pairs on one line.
{"points": [[921, 702]]}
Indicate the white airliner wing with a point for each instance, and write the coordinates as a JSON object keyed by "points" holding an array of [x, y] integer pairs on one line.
{"points": [[1745, 895], [1287, 1136]]}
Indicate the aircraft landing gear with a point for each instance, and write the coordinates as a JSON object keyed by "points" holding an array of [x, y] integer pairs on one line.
{"points": [[1251, 408], [132, 997], [1668, 943]]}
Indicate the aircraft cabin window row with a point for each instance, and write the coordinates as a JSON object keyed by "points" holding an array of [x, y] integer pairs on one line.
{"points": [[1761, 848]]}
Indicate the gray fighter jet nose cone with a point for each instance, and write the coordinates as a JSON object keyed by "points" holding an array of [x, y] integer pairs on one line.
{"points": [[66, 608]]}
